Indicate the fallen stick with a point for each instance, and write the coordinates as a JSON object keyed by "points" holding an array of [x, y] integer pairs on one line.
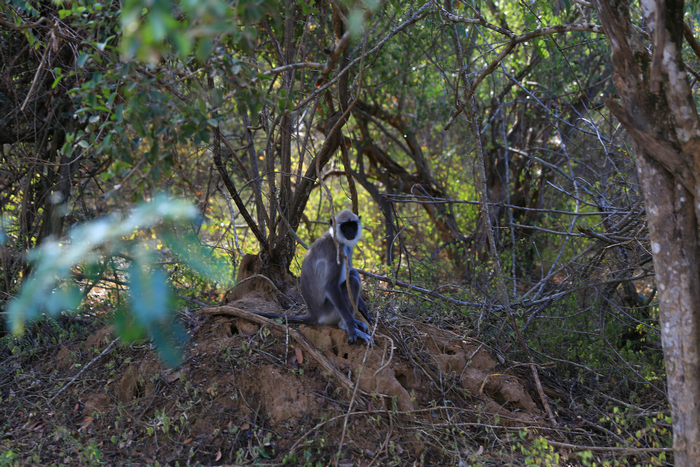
{"points": [[82, 370], [631, 450], [296, 335]]}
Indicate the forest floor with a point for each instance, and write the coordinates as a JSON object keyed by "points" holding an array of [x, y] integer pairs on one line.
{"points": [[248, 394]]}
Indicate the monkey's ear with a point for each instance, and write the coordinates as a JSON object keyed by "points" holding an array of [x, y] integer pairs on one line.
{"points": [[359, 217], [330, 222]]}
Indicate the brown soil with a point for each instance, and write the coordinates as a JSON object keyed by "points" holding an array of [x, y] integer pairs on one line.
{"points": [[249, 394]]}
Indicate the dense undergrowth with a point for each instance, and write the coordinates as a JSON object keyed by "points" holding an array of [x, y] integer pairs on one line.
{"points": [[125, 407], [105, 109]]}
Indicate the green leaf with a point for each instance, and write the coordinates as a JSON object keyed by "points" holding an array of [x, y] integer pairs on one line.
{"points": [[82, 58], [149, 294], [56, 81], [126, 326], [54, 262], [355, 21], [151, 303], [63, 299], [540, 47], [204, 46], [196, 256], [167, 340], [373, 4], [118, 113], [183, 44]]}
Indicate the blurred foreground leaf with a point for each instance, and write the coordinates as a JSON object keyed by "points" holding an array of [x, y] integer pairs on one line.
{"points": [[49, 289]]}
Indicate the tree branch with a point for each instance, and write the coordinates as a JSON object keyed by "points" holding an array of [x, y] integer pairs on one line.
{"points": [[510, 46], [690, 38], [234, 193]]}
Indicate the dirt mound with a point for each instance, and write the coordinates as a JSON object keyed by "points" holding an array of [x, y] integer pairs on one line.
{"points": [[382, 374], [282, 395], [251, 389], [392, 381], [477, 370]]}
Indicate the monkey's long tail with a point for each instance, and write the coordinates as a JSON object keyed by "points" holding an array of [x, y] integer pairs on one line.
{"points": [[304, 319]]}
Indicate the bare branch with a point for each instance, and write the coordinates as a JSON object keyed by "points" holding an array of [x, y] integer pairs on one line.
{"points": [[692, 42], [9, 25], [294, 66], [510, 47]]}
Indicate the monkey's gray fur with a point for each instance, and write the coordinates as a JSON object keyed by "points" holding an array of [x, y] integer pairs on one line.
{"points": [[323, 283]]}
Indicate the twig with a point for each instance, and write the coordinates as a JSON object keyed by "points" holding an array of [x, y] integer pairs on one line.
{"points": [[294, 66], [509, 48], [7, 24], [481, 424], [353, 190], [232, 189], [417, 289], [391, 355], [692, 42], [341, 43], [357, 384], [104, 352], [292, 231], [233, 220], [421, 13], [608, 449], [338, 124], [36, 75], [396, 198], [500, 281]]}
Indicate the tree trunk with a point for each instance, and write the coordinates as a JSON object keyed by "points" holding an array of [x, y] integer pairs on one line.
{"points": [[656, 107]]}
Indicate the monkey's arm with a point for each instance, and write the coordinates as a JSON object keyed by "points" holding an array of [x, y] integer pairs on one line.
{"points": [[355, 281], [334, 294], [347, 322]]}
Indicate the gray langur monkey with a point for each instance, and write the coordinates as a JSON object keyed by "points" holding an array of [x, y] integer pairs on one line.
{"points": [[323, 281]]}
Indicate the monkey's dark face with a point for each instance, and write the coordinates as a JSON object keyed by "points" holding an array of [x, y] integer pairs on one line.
{"points": [[347, 226], [350, 229]]}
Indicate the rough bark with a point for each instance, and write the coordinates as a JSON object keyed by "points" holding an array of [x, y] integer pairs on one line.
{"points": [[656, 107]]}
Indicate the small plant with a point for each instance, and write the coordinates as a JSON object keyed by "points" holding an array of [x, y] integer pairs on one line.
{"points": [[540, 453], [587, 458], [90, 454], [162, 421], [9, 459]]}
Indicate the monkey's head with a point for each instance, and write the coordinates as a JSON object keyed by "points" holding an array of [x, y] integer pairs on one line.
{"points": [[349, 227]]}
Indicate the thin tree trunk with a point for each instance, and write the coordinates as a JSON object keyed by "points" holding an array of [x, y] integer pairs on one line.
{"points": [[657, 108], [673, 231]]}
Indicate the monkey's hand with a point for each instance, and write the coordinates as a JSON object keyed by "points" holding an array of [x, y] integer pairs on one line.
{"points": [[362, 331], [360, 325], [355, 329]]}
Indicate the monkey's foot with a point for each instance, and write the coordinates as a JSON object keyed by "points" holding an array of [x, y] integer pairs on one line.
{"points": [[365, 336], [356, 329], [360, 325]]}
